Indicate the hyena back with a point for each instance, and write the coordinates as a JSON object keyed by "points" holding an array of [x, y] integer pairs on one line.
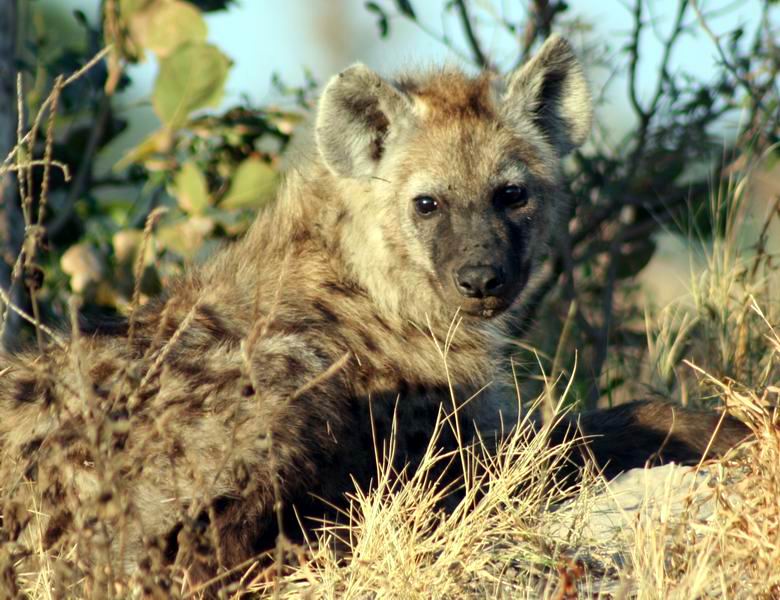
{"points": [[424, 200]]}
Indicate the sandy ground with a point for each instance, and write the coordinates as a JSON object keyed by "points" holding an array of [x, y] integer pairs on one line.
{"points": [[604, 528]]}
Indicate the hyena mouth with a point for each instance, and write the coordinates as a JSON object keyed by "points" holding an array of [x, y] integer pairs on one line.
{"points": [[485, 308]]}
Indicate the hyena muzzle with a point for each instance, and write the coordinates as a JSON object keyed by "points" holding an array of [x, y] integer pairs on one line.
{"points": [[423, 202]]}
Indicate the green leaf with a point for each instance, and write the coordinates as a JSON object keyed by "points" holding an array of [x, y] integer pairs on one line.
{"points": [[254, 183], [191, 189], [158, 142], [405, 6], [192, 77], [382, 21], [164, 26], [186, 237]]}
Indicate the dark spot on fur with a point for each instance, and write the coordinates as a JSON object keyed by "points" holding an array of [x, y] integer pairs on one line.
{"points": [[406, 85], [149, 392], [31, 471], [195, 374], [477, 105], [300, 235], [102, 371], [325, 311], [177, 449], [367, 109], [377, 148], [119, 414], [247, 391], [337, 289], [368, 342], [343, 217], [293, 366], [171, 543], [100, 391], [48, 395], [56, 528], [421, 412], [119, 441], [209, 318], [67, 436], [382, 323], [25, 391], [31, 447], [79, 455], [432, 281]]}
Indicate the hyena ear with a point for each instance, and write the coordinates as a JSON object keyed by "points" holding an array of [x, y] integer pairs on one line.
{"points": [[356, 116], [552, 90]]}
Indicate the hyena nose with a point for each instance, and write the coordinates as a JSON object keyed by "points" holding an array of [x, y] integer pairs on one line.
{"points": [[478, 282]]}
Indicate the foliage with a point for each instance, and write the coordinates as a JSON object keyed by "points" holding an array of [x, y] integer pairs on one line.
{"points": [[211, 172]]}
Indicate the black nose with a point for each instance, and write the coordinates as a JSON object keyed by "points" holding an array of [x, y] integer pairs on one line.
{"points": [[478, 282]]}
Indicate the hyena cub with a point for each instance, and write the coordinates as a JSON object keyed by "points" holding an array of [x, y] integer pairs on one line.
{"points": [[425, 199]]}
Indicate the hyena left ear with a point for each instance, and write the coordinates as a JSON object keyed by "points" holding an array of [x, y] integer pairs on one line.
{"points": [[552, 91], [356, 116]]}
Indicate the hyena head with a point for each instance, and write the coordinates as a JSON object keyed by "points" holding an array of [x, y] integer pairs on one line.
{"points": [[454, 182]]}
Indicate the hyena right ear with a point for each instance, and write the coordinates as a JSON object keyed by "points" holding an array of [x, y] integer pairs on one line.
{"points": [[356, 116], [551, 91]]}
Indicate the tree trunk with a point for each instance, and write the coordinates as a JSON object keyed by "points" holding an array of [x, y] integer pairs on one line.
{"points": [[11, 223]]}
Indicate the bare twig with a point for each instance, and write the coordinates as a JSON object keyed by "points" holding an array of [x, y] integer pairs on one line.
{"points": [[746, 85], [471, 36], [646, 115], [138, 269], [541, 14], [34, 234], [7, 301], [45, 105]]}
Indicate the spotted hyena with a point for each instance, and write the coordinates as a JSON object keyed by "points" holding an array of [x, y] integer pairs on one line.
{"points": [[424, 201]]}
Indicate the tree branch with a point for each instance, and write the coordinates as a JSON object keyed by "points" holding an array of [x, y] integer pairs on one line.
{"points": [[471, 36]]}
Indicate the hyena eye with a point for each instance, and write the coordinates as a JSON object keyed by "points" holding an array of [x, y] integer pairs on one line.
{"points": [[425, 205], [511, 196]]}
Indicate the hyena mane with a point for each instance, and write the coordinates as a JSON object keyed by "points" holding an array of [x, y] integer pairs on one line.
{"points": [[400, 245]]}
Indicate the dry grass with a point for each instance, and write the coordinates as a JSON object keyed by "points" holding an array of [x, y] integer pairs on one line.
{"points": [[515, 532]]}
